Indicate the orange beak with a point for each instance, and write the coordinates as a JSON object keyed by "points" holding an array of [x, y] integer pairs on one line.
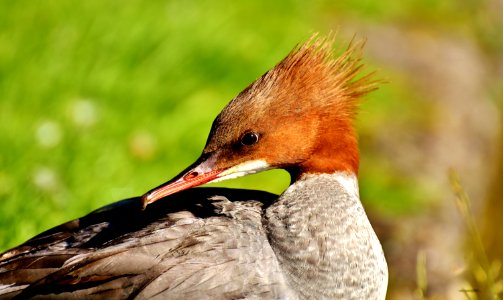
{"points": [[201, 172], [205, 169]]}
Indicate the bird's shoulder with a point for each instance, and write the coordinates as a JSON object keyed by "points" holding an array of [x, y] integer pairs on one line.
{"points": [[207, 238]]}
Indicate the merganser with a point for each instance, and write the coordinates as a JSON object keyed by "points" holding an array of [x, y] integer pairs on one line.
{"points": [[314, 241]]}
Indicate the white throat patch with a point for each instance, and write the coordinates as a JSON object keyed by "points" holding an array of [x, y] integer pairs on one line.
{"points": [[249, 167]]}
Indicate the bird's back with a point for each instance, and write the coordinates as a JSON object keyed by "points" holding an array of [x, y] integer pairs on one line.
{"points": [[122, 251]]}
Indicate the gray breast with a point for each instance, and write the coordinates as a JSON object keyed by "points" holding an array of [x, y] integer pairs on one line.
{"points": [[324, 241]]}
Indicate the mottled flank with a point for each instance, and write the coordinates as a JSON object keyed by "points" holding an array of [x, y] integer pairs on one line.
{"points": [[198, 244]]}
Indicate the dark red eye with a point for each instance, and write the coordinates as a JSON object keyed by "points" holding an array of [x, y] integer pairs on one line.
{"points": [[249, 139]]}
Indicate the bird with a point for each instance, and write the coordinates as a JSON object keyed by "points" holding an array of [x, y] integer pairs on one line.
{"points": [[180, 241]]}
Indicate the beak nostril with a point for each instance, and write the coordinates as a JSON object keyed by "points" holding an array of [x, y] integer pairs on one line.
{"points": [[190, 175]]}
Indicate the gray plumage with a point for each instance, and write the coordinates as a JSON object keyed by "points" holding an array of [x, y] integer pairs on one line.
{"points": [[313, 242]]}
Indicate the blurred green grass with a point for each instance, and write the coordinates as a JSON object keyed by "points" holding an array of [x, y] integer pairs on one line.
{"points": [[102, 100]]}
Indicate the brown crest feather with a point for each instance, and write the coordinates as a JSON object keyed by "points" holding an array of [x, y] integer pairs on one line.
{"points": [[311, 96]]}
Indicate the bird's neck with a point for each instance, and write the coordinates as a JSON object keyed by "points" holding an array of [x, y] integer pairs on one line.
{"points": [[335, 151], [324, 241]]}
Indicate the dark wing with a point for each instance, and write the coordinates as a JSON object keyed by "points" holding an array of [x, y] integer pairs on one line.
{"points": [[201, 243]]}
